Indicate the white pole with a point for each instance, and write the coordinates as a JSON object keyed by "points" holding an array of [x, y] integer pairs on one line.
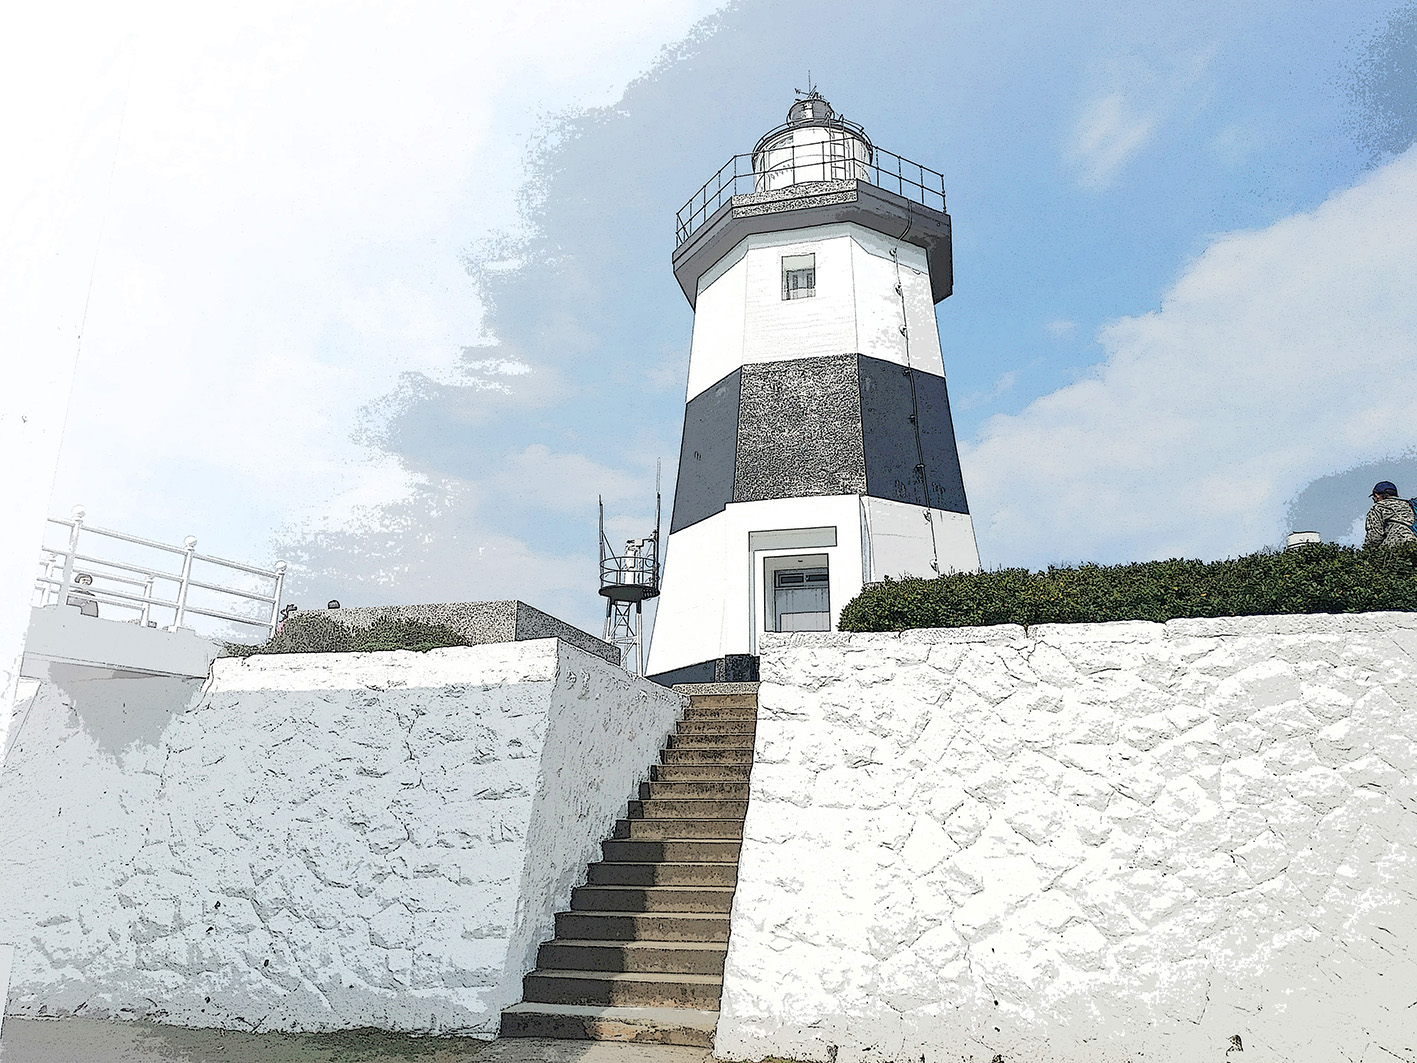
{"points": [[66, 577], [191, 544], [147, 602], [275, 603]]}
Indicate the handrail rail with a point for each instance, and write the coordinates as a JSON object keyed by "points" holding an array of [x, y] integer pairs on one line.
{"points": [[148, 599], [613, 567], [117, 535], [754, 171], [52, 582], [62, 589], [100, 561], [230, 590]]}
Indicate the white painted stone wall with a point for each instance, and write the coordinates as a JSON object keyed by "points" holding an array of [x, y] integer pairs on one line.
{"points": [[313, 841], [1094, 842]]}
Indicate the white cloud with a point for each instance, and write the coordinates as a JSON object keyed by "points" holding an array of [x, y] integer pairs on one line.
{"points": [[1002, 386], [436, 539], [498, 367], [1131, 98], [1061, 327], [283, 229], [564, 482], [1279, 356], [1109, 132]]}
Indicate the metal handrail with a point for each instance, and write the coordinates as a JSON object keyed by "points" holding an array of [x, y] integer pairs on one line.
{"points": [[227, 616], [57, 554], [56, 590], [101, 561], [642, 570], [740, 176], [228, 590], [78, 522], [107, 575], [266, 598], [117, 596]]}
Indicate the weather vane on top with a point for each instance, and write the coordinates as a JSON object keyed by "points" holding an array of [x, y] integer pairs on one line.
{"points": [[811, 93]]}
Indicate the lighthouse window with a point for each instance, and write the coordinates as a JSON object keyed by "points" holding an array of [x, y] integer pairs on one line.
{"points": [[799, 276]]}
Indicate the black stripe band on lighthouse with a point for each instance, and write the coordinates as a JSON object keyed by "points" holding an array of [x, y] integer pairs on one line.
{"points": [[818, 451]]}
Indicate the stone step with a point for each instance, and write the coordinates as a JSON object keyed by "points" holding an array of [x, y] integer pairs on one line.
{"points": [[720, 789], [693, 851], [652, 899], [713, 727], [663, 874], [623, 989], [679, 829], [742, 741], [664, 1026], [680, 755], [672, 957], [714, 712], [737, 700], [641, 926], [713, 772], [688, 808]]}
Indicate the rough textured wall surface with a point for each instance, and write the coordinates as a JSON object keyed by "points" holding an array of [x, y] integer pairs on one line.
{"points": [[313, 841], [1094, 842], [478, 622], [799, 430]]}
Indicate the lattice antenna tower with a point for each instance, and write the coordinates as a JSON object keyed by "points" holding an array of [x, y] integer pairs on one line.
{"points": [[627, 581]]}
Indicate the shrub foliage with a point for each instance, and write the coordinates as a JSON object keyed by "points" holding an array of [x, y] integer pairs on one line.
{"points": [[1318, 578], [318, 633]]}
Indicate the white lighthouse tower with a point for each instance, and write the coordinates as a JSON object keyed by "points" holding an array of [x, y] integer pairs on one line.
{"points": [[818, 451]]}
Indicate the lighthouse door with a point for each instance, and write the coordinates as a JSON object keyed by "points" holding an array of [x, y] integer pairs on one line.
{"points": [[801, 600]]}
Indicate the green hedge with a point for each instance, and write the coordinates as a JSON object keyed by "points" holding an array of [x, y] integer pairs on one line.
{"points": [[318, 633], [1318, 578]]}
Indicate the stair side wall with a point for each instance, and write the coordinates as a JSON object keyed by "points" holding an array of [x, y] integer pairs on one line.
{"points": [[313, 841], [604, 732], [1081, 842]]}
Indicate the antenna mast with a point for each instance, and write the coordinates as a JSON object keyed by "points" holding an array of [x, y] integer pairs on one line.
{"points": [[629, 579]]}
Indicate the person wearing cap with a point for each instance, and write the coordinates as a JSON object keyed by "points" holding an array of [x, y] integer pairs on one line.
{"points": [[82, 595], [1390, 520]]}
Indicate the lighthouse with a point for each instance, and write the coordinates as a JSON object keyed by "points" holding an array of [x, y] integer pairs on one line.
{"points": [[818, 452]]}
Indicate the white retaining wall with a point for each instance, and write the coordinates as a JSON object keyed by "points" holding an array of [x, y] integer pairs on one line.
{"points": [[1095, 842], [313, 841]]}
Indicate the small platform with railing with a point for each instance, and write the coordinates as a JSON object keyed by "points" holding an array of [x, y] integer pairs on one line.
{"points": [[100, 571]]}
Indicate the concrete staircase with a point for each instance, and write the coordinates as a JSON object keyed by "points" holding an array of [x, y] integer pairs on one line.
{"points": [[639, 957]]}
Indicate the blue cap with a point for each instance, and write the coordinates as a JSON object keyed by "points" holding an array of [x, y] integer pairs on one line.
{"points": [[1385, 487]]}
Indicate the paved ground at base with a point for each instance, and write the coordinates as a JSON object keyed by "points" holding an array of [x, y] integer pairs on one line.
{"points": [[97, 1041]]}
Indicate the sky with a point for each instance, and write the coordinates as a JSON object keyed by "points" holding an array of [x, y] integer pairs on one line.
{"points": [[385, 290]]}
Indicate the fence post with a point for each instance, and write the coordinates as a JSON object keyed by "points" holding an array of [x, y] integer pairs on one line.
{"points": [[275, 603], [67, 577], [191, 544], [147, 602]]}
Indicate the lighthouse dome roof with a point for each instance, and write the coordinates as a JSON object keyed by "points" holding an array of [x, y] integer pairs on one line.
{"points": [[807, 112], [813, 110]]}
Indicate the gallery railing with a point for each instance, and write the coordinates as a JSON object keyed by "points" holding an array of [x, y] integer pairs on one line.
{"points": [[787, 165], [139, 588]]}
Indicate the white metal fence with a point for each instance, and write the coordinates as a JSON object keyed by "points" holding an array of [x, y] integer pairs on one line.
{"points": [[139, 589]]}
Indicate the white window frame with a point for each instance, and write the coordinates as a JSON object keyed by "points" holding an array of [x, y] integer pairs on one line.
{"points": [[799, 267]]}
